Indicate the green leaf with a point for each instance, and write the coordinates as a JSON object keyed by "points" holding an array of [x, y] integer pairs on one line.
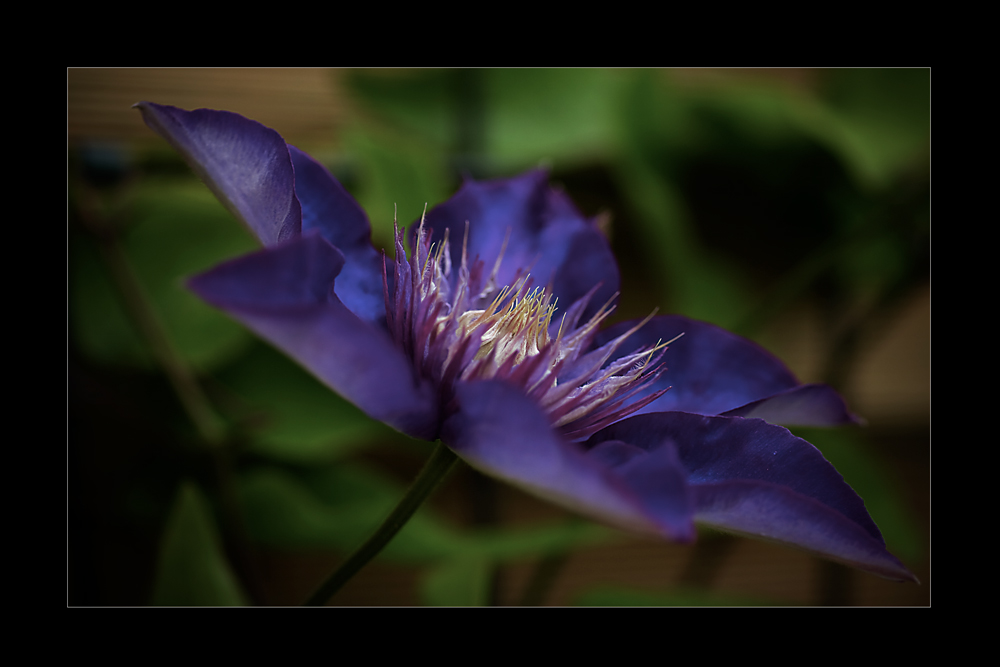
{"points": [[659, 127], [177, 229], [461, 582], [692, 282], [885, 117], [340, 506], [181, 230], [398, 176], [98, 322], [283, 511], [513, 117], [192, 568], [295, 418], [419, 102], [562, 116]]}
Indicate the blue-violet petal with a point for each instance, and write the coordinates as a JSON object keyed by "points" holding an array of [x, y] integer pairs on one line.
{"points": [[711, 371], [286, 295], [244, 163], [754, 478], [537, 228]]}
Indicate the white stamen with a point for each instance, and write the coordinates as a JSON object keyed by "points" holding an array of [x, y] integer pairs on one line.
{"points": [[455, 336]]}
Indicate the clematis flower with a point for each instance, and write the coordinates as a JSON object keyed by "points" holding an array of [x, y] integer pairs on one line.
{"points": [[488, 335]]}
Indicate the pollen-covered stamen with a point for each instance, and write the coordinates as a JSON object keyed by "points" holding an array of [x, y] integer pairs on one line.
{"points": [[464, 329], [518, 329]]}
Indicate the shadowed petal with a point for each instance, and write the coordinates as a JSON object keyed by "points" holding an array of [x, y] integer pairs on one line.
{"points": [[547, 236], [754, 478], [711, 371], [805, 405], [502, 433], [285, 294], [244, 163], [658, 478], [764, 511], [330, 210]]}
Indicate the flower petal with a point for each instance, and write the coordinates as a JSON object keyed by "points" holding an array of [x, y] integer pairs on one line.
{"points": [[764, 511], [244, 163], [757, 479], [286, 295], [711, 371], [658, 478], [330, 210], [503, 433], [543, 232]]}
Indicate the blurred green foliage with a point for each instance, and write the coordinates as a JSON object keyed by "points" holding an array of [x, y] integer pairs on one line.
{"points": [[730, 204], [159, 218], [727, 187], [192, 568], [338, 507]]}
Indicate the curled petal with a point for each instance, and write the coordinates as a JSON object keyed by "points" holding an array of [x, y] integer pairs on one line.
{"points": [[499, 431], [711, 371], [755, 478], [331, 211], [286, 295], [244, 163], [537, 228]]}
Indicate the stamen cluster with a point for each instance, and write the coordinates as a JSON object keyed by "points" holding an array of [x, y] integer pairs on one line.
{"points": [[468, 329]]}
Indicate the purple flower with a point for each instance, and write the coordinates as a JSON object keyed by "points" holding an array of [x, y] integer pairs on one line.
{"points": [[488, 336]]}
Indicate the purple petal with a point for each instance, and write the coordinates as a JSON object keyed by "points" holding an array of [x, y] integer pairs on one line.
{"points": [[764, 511], [286, 295], [754, 478], [711, 371], [503, 433], [546, 235], [658, 478], [330, 210], [244, 163]]}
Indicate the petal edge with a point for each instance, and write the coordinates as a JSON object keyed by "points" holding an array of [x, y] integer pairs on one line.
{"points": [[244, 163], [285, 294]]}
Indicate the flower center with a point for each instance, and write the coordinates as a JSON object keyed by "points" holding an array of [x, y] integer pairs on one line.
{"points": [[518, 330], [464, 328]]}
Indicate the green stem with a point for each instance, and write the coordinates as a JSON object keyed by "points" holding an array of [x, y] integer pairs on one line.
{"points": [[437, 466]]}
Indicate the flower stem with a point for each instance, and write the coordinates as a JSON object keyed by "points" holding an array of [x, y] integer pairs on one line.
{"points": [[435, 470]]}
